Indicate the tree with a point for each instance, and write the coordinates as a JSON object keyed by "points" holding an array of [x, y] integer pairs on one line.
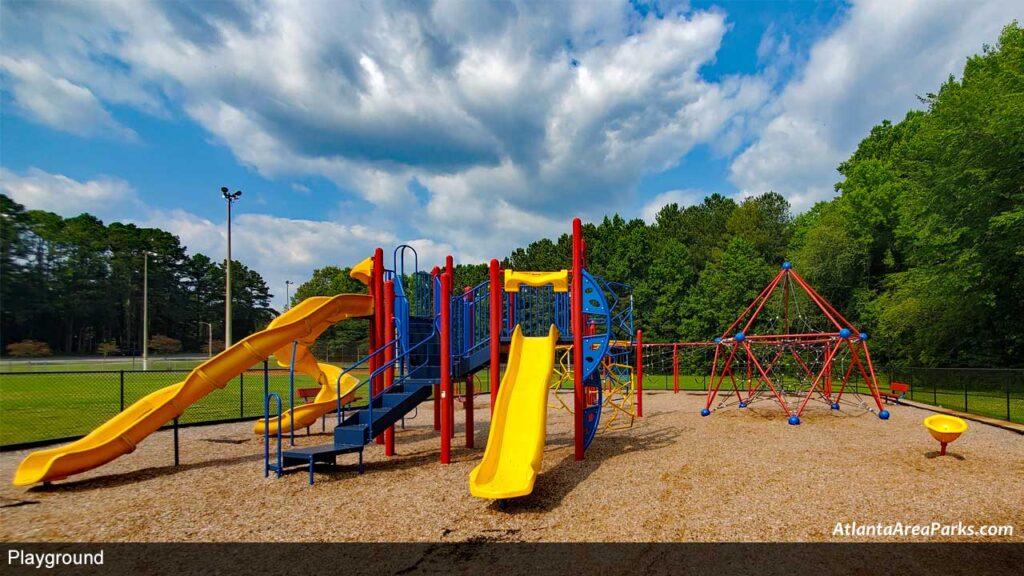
{"points": [[107, 348], [164, 344], [724, 290], [764, 222], [29, 349]]}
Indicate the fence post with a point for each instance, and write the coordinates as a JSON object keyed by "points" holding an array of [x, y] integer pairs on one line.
{"points": [[241, 395], [964, 382], [935, 392], [122, 392], [1008, 399], [176, 442], [675, 368]]}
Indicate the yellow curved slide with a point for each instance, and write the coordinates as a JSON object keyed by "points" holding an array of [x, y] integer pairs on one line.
{"points": [[119, 435], [515, 445], [326, 375]]}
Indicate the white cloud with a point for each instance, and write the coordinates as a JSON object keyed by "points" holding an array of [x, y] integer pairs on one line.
{"points": [[278, 248], [58, 102], [872, 67], [41, 190], [683, 198], [515, 117]]}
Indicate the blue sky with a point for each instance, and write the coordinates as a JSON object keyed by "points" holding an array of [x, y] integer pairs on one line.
{"points": [[461, 127]]}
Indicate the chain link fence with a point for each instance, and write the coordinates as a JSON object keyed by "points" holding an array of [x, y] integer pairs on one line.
{"points": [[994, 392], [47, 406], [41, 407]]}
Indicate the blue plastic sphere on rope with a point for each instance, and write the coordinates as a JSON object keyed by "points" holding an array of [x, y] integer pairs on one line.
{"points": [[740, 336], [884, 414], [718, 340], [835, 405], [794, 420], [844, 333], [705, 412], [743, 404], [863, 336], [787, 265]]}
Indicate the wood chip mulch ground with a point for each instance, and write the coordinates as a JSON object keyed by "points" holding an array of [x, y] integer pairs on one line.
{"points": [[738, 475]]}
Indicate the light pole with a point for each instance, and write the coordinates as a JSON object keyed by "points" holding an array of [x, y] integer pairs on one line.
{"points": [[231, 197], [287, 297], [145, 308], [209, 338]]}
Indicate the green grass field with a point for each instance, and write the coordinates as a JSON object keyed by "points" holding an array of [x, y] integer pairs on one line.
{"points": [[985, 404], [47, 405], [97, 365]]}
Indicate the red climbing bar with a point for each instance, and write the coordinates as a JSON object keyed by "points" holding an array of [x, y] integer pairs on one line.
{"points": [[639, 373], [389, 356], [577, 335], [446, 368], [495, 319]]}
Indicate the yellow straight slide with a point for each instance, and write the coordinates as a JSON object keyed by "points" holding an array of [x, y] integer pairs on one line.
{"points": [[122, 433], [515, 445]]}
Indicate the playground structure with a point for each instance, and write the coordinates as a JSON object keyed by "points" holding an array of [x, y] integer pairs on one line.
{"points": [[792, 346], [424, 338]]}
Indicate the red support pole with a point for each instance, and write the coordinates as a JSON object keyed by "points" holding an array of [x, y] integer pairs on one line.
{"points": [[378, 322], [446, 369], [821, 375], [639, 373], [675, 368], [469, 378], [496, 291], [449, 265], [873, 383], [767, 379], [389, 356], [436, 272], [577, 335]]}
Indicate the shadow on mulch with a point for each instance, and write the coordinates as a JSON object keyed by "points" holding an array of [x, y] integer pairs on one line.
{"points": [[548, 495], [134, 476], [936, 454]]}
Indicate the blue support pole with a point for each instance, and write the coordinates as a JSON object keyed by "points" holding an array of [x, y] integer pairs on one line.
{"points": [[291, 396]]}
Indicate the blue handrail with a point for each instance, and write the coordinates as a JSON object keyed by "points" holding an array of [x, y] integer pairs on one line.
{"points": [[291, 395], [266, 434], [380, 370]]}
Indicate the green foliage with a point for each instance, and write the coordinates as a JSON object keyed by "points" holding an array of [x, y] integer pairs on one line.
{"points": [[75, 282], [724, 289], [330, 281]]}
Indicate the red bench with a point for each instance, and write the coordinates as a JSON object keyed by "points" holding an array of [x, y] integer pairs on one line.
{"points": [[307, 394], [897, 390]]}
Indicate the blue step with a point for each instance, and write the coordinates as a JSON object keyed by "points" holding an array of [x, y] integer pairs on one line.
{"points": [[324, 453], [350, 433], [358, 426], [321, 453]]}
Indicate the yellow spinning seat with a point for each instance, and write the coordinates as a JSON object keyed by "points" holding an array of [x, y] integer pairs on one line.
{"points": [[945, 429]]}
